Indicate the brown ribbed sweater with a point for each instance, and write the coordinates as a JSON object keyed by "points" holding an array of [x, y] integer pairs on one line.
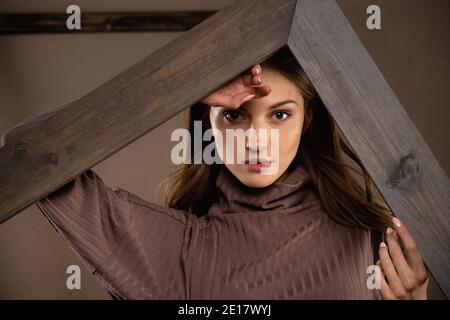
{"points": [[270, 243]]}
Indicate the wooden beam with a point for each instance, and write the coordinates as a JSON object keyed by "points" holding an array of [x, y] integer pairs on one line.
{"points": [[18, 23], [139, 99], [378, 128], [201, 60]]}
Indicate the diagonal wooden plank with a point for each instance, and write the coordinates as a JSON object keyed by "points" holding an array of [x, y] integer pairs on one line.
{"points": [[379, 130], [139, 99]]}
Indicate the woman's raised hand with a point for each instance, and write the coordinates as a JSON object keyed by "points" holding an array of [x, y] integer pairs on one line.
{"points": [[238, 90], [403, 274]]}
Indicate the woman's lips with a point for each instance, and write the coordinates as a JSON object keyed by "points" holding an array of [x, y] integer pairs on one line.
{"points": [[258, 166]]}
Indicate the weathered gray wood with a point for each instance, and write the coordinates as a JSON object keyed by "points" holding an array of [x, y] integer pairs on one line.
{"points": [[139, 99], [13, 23], [372, 119]]}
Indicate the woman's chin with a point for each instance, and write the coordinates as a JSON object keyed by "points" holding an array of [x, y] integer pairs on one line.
{"points": [[256, 179]]}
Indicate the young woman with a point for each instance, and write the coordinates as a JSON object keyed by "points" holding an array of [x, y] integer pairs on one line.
{"points": [[306, 231]]}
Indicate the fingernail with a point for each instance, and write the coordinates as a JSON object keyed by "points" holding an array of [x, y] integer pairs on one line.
{"points": [[397, 222], [389, 230], [259, 80], [382, 244], [258, 70], [248, 97]]}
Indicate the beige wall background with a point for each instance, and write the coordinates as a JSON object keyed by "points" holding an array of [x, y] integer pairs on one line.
{"points": [[40, 72]]}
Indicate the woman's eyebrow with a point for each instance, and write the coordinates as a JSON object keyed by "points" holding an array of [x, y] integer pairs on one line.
{"points": [[280, 103]]}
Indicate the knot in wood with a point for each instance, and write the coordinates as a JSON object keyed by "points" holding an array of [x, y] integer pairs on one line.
{"points": [[53, 158]]}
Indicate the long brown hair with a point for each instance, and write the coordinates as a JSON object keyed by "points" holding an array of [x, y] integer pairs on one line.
{"points": [[192, 186]]}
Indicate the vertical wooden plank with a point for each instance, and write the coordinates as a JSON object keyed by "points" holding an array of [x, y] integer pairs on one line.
{"points": [[376, 125]]}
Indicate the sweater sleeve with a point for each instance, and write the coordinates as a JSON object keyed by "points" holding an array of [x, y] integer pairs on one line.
{"points": [[85, 212]]}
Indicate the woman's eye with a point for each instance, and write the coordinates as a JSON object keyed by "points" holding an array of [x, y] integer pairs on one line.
{"points": [[232, 115], [281, 115]]}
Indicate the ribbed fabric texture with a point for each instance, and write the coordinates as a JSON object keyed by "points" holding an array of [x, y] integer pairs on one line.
{"points": [[269, 243]]}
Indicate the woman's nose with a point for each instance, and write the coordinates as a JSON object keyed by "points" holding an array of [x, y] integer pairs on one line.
{"points": [[252, 146], [257, 138]]}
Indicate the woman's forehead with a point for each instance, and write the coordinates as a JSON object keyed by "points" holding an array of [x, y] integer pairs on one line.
{"points": [[281, 87], [283, 96]]}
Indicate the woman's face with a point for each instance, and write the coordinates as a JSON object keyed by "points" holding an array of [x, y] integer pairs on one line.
{"points": [[261, 113]]}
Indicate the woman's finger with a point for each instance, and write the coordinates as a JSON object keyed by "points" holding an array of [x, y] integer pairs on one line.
{"points": [[413, 253], [256, 89], [386, 292], [249, 80], [254, 84], [256, 69], [228, 102], [253, 76], [398, 258], [391, 274], [235, 101]]}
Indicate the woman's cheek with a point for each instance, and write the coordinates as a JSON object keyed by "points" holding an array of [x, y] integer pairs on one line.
{"points": [[289, 137]]}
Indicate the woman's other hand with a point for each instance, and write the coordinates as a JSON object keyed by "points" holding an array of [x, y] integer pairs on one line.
{"points": [[238, 90], [403, 272]]}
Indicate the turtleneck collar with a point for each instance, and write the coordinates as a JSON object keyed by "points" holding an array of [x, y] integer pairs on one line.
{"points": [[291, 191]]}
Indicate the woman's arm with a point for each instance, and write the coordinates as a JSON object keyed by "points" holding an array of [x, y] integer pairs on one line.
{"points": [[93, 217]]}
